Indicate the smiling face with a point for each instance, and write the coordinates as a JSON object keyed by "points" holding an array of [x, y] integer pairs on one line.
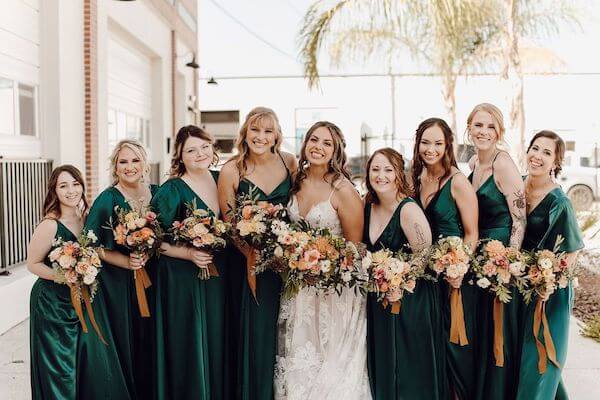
{"points": [[68, 190], [382, 175], [541, 156], [129, 166], [319, 147], [432, 145], [197, 154], [261, 135], [482, 131]]}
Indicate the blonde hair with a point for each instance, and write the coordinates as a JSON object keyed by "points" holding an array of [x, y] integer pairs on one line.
{"points": [[497, 117], [256, 116], [140, 152]]}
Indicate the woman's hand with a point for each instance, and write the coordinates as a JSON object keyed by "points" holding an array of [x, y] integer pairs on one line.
{"points": [[137, 260], [199, 257]]}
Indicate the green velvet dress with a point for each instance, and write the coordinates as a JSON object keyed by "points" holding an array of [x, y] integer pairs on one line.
{"points": [[189, 312], [500, 383], [405, 352], [462, 362], [54, 334], [117, 310], [552, 217], [257, 345]]}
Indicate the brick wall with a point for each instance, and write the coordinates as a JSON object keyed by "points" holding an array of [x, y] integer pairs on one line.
{"points": [[90, 54]]}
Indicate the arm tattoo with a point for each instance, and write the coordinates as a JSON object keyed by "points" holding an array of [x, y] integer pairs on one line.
{"points": [[519, 201], [420, 236], [518, 230]]}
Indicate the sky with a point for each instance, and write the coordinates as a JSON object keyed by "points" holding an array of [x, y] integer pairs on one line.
{"points": [[259, 37]]}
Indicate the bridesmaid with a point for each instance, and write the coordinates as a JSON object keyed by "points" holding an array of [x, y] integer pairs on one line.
{"points": [[262, 169], [189, 315], [449, 202], [54, 326], [549, 215], [129, 189], [402, 349], [501, 198]]}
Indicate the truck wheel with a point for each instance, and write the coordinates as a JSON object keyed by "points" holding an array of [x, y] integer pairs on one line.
{"points": [[581, 196]]}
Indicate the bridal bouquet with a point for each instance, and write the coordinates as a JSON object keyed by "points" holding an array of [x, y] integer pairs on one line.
{"points": [[203, 231], [141, 233], [497, 268], [392, 275], [77, 264], [450, 258]]}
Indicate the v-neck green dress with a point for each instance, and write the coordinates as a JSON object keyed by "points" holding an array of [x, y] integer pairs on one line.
{"points": [[552, 217], [500, 383], [54, 334], [405, 352], [189, 312], [116, 309], [462, 363], [258, 340]]}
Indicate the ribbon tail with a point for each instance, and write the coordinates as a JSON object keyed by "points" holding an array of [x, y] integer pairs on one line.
{"points": [[142, 282], [77, 306], [212, 270], [90, 310], [250, 272], [396, 307], [458, 331], [537, 322], [498, 332], [550, 349]]}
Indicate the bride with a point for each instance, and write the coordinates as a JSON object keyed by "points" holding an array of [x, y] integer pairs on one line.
{"points": [[322, 351]]}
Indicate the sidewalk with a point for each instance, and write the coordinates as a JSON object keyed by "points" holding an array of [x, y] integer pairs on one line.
{"points": [[581, 373]]}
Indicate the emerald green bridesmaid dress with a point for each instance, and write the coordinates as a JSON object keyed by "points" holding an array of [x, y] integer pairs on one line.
{"points": [[257, 345], [462, 363], [54, 334], [190, 323], [405, 352], [116, 307], [500, 383], [552, 217]]}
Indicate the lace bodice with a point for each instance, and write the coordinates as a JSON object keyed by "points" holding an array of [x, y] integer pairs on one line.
{"points": [[321, 215]]}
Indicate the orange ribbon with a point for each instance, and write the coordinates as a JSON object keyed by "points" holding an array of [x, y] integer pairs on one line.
{"points": [[142, 282], [498, 332], [76, 301], [212, 270], [458, 332], [395, 306], [545, 350], [251, 270]]}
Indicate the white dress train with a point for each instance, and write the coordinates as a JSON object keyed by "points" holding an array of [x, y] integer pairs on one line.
{"points": [[322, 344]]}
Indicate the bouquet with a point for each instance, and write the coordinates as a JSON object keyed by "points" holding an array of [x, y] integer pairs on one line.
{"points": [[203, 231], [497, 268], [77, 264], [392, 275], [547, 270], [141, 233], [451, 258]]}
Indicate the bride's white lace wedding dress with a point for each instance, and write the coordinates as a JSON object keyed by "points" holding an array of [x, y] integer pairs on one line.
{"points": [[322, 349]]}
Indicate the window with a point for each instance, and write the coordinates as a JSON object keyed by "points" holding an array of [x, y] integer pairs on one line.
{"points": [[18, 108], [7, 107], [127, 126], [27, 109]]}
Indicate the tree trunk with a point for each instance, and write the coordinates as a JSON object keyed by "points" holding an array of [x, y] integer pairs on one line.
{"points": [[448, 89], [513, 74]]}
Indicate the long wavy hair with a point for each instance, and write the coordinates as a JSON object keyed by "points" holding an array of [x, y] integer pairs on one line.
{"points": [[559, 149], [497, 117], [140, 152], [186, 132], [448, 160], [256, 116], [397, 161], [51, 205], [337, 165]]}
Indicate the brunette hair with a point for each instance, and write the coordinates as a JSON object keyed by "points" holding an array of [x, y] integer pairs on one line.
{"points": [[337, 164], [140, 152], [257, 115], [559, 149], [51, 205], [177, 165], [401, 182], [448, 161]]}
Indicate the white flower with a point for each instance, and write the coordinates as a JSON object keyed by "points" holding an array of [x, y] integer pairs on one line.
{"points": [[325, 266], [366, 261], [90, 276], [483, 283], [453, 271], [278, 252], [516, 268], [92, 236], [463, 268], [545, 263], [503, 275], [563, 282], [346, 276]]}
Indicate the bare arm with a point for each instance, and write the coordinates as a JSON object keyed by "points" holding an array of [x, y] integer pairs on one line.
{"points": [[512, 186], [415, 227], [466, 201], [39, 247], [350, 210], [227, 187]]}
